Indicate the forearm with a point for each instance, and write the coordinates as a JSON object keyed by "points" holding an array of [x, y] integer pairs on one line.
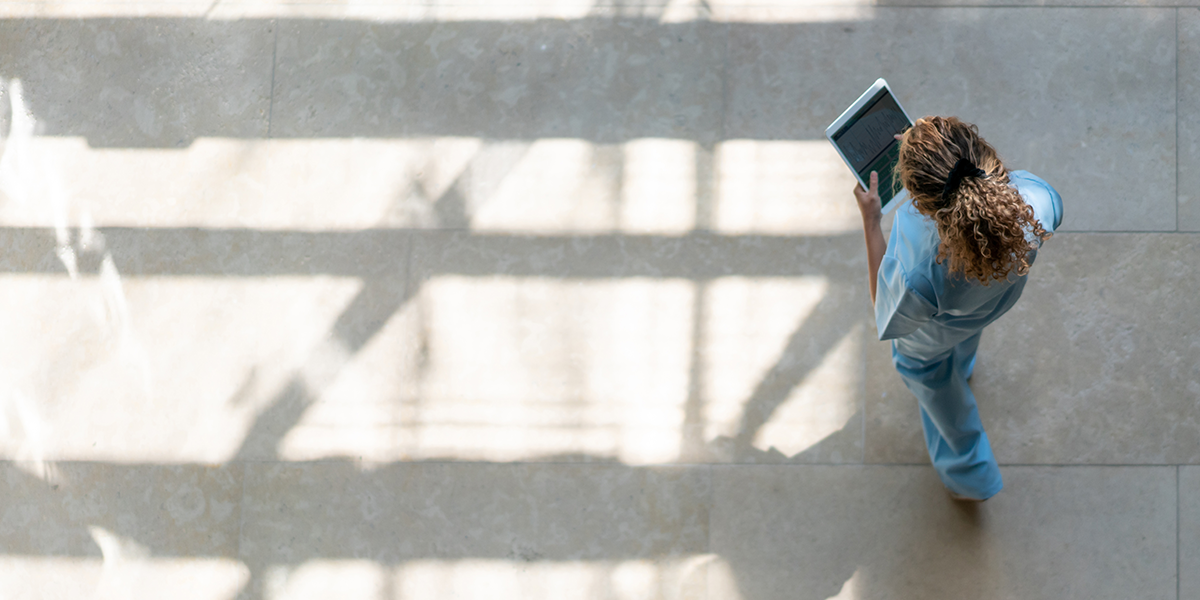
{"points": [[876, 247], [869, 208]]}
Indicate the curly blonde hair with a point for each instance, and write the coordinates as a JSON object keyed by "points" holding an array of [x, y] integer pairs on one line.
{"points": [[981, 219]]}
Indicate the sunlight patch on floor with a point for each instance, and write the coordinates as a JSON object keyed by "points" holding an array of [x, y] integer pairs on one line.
{"points": [[642, 186], [134, 579]]}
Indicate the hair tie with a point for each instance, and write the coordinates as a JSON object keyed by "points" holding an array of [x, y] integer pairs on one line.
{"points": [[962, 169]]}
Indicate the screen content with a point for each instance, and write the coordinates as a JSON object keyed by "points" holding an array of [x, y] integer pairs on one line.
{"points": [[868, 144]]}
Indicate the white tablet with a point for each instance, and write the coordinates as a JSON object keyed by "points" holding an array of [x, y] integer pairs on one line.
{"points": [[863, 136]]}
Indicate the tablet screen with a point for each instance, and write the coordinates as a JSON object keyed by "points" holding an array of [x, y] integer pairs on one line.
{"points": [[867, 143]]}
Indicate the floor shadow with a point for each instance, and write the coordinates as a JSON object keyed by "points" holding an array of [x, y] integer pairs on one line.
{"points": [[823, 328], [288, 514]]}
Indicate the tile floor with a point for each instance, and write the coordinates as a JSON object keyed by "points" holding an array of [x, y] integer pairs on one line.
{"points": [[566, 299]]}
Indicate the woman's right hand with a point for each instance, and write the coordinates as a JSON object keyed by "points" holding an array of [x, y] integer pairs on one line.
{"points": [[868, 201]]}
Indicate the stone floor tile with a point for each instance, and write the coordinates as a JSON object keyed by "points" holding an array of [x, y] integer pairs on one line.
{"points": [[892, 422], [870, 532], [661, 186], [128, 576], [1096, 363], [784, 187], [432, 10], [1189, 532], [140, 82], [642, 348], [605, 80], [1020, 74], [82, 509], [198, 345], [229, 183], [1189, 119], [97, 530], [520, 519]]}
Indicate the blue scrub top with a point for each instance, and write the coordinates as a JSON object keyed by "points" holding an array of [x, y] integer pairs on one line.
{"points": [[917, 301]]}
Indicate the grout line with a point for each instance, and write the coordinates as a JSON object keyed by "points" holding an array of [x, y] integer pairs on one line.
{"points": [[727, 34], [915, 465], [274, 60], [603, 463], [1059, 231], [1067, 465], [1127, 231], [242, 512], [709, 464], [1177, 119], [712, 507], [689, 233], [926, 464], [409, 288], [1178, 525], [863, 456], [863, 407], [1034, 6]]}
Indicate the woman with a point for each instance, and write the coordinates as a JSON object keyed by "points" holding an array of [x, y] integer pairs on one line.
{"points": [[958, 257]]}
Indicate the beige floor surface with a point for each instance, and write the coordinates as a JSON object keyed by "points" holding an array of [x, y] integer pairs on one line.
{"points": [[566, 299]]}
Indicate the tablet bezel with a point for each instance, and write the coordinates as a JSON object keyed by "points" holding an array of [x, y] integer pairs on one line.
{"points": [[853, 111]]}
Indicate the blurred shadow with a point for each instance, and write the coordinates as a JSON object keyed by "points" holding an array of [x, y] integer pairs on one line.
{"points": [[366, 314], [862, 532], [808, 345], [380, 259], [164, 82], [294, 513]]}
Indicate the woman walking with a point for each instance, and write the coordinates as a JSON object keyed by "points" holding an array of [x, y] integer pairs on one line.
{"points": [[957, 259]]}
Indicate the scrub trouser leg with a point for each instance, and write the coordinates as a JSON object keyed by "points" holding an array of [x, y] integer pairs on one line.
{"points": [[957, 444]]}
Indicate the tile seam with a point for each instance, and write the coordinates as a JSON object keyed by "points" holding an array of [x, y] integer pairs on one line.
{"points": [[694, 464], [758, 6], [693, 232], [926, 465], [409, 289], [1125, 231], [712, 507], [863, 411], [416, 463], [1017, 6], [242, 513], [1178, 537], [727, 34], [274, 61]]}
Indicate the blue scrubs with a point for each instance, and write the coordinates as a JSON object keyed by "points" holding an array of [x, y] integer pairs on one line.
{"points": [[934, 321]]}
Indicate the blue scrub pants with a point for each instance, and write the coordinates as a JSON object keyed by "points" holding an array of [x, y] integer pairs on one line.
{"points": [[957, 444]]}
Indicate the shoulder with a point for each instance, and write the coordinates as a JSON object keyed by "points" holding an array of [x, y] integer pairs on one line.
{"points": [[1041, 196]]}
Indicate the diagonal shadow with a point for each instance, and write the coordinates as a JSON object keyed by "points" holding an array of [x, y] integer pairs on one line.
{"points": [[808, 345], [372, 257], [366, 314], [481, 178], [590, 105]]}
